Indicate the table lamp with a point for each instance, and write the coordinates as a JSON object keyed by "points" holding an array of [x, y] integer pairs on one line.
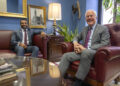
{"points": [[54, 13]]}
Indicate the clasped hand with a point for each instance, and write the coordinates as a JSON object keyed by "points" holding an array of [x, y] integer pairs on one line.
{"points": [[23, 45], [78, 48]]}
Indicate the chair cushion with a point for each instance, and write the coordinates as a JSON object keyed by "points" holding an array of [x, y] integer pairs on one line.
{"points": [[40, 55], [10, 54], [7, 54]]}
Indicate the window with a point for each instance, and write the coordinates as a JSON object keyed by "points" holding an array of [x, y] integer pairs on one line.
{"points": [[107, 16]]}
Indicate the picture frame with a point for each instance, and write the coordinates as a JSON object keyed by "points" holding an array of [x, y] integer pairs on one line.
{"points": [[38, 66], [22, 4], [37, 16]]}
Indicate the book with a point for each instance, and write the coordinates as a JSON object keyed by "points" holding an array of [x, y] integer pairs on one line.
{"points": [[2, 61], [5, 66], [8, 77]]}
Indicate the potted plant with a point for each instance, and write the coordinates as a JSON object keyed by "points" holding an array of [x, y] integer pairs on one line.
{"points": [[65, 31]]}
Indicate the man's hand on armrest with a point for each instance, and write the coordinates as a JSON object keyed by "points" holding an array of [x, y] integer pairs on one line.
{"points": [[43, 34]]}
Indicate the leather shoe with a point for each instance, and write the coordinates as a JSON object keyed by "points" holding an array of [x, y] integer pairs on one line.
{"points": [[69, 77], [77, 83], [85, 84]]}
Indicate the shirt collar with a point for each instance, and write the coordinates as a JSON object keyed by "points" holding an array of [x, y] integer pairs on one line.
{"points": [[93, 26], [23, 29]]}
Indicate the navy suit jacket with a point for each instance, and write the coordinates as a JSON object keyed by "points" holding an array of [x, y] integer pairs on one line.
{"points": [[17, 36]]}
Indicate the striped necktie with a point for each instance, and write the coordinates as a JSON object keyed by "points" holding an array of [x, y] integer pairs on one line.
{"points": [[87, 37], [25, 37]]}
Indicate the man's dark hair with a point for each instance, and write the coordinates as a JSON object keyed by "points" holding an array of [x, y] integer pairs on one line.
{"points": [[23, 19]]}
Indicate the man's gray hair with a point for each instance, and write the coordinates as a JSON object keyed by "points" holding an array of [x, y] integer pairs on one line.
{"points": [[92, 11]]}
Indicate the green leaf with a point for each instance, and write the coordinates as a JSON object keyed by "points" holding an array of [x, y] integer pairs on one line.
{"points": [[107, 4], [118, 9], [110, 5], [65, 31], [118, 1], [117, 19]]}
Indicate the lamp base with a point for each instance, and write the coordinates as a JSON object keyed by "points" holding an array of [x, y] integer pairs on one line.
{"points": [[54, 27], [54, 31]]}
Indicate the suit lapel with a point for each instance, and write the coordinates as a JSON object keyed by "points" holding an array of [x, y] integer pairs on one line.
{"points": [[95, 33], [29, 34], [85, 33], [20, 35]]}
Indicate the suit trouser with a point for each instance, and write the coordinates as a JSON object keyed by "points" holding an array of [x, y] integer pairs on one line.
{"points": [[30, 49], [85, 58]]}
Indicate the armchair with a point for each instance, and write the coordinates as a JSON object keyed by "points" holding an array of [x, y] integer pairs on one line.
{"points": [[42, 45], [106, 65]]}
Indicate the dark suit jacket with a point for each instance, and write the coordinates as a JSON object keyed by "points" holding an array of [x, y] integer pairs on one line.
{"points": [[17, 36], [100, 36]]}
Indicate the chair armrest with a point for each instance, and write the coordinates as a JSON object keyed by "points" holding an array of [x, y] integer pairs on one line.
{"points": [[107, 62], [112, 52], [67, 47], [41, 43]]}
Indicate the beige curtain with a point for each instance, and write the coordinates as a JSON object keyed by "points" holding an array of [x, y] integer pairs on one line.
{"points": [[3, 5]]}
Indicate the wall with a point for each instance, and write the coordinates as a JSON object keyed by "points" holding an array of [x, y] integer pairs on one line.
{"points": [[12, 6], [79, 23], [68, 18], [92, 4]]}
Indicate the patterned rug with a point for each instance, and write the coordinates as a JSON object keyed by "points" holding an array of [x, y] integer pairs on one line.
{"points": [[68, 82], [113, 84]]}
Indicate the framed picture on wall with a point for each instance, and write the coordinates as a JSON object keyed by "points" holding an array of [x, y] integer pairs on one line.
{"points": [[37, 16]]}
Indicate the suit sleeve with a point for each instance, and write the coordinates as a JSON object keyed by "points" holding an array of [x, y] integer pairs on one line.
{"points": [[104, 40], [14, 41]]}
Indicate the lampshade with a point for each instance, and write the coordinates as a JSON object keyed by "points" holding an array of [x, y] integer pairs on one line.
{"points": [[54, 11]]}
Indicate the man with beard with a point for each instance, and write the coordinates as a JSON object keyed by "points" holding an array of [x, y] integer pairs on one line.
{"points": [[21, 40]]}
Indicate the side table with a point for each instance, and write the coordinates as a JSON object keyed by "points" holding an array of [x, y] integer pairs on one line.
{"points": [[54, 48]]}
